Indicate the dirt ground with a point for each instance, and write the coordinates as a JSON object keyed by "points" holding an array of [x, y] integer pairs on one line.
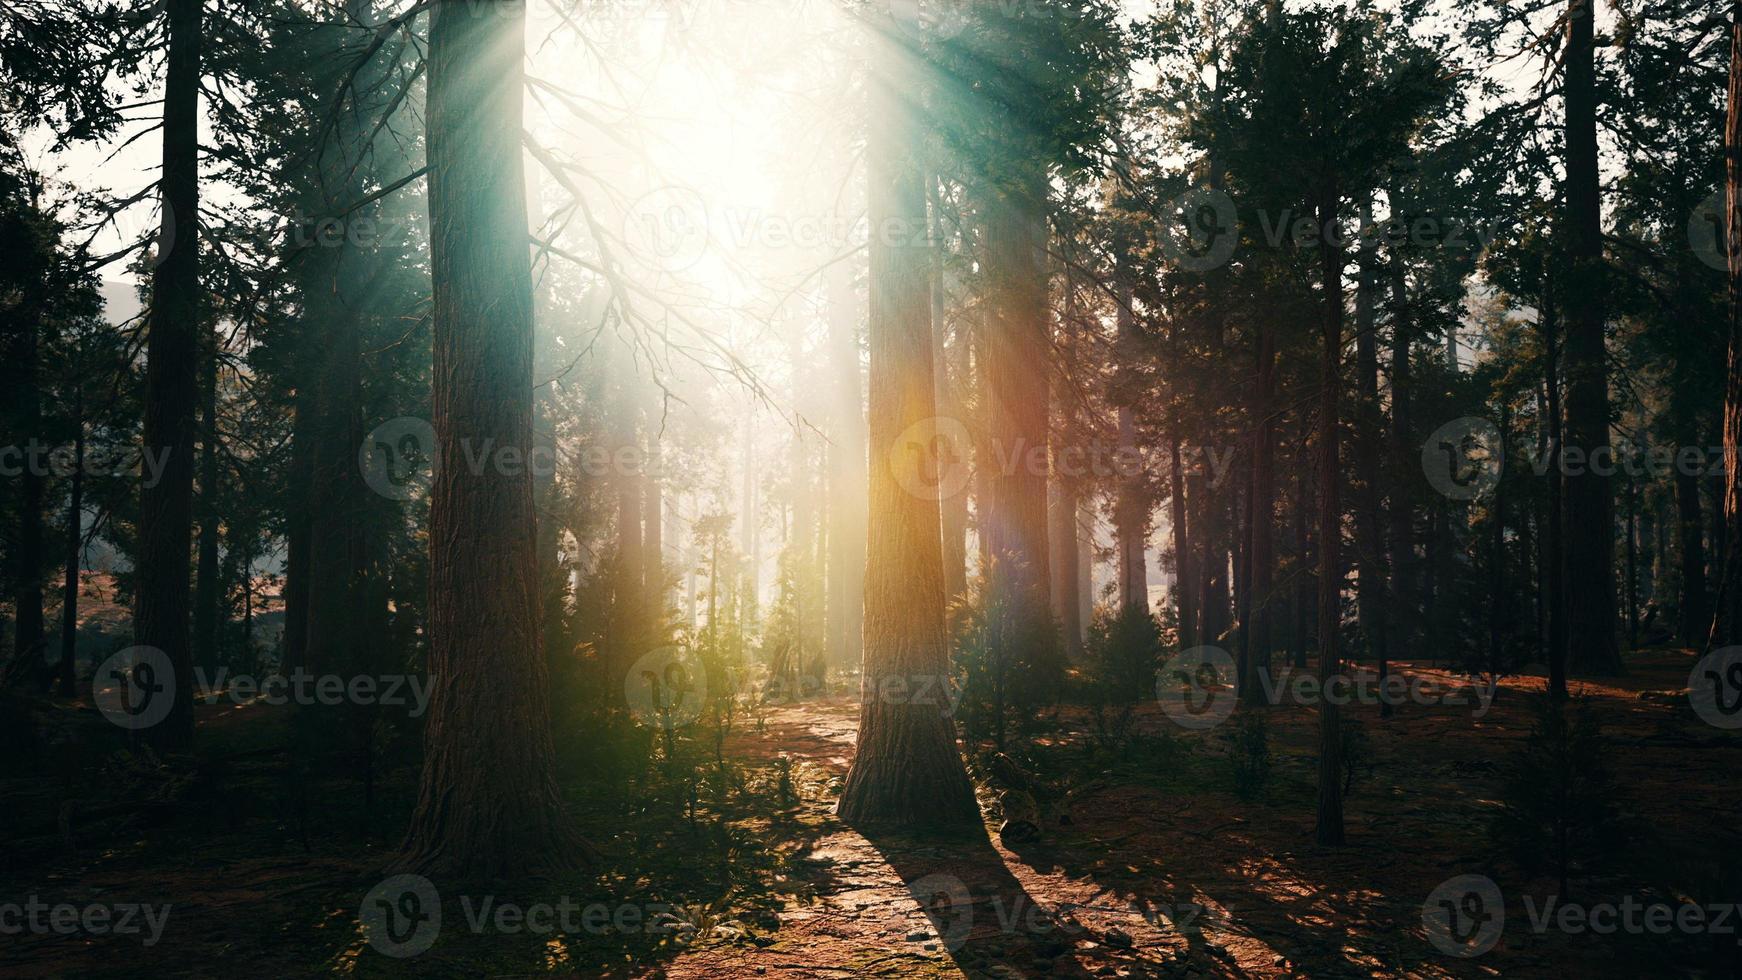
{"points": [[1143, 870]]}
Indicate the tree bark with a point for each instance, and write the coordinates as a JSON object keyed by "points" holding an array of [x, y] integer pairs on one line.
{"points": [[488, 805], [172, 351], [1330, 806], [906, 771], [1370, 598], [1553, 549], [1590, 537], [1727, 624], [69, 610], [207, 588]]}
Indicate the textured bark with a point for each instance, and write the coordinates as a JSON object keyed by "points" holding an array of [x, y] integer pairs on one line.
{"points": [[1330, 807], [1727, 624], [906, 771], [1400, 514], [172, 355], [487, 805], [1590, 536]]}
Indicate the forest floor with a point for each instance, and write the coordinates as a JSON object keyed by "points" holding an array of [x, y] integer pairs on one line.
{"points": [[1150, 864]]}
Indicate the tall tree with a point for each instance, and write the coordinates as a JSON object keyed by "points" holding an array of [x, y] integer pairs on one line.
{"points": [[906, 772], [173, 321], [488, 805], [1589, 537]]}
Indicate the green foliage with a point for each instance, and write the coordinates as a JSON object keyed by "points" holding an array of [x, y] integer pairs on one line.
{"points": [[1122, 652], [1008, 662]]}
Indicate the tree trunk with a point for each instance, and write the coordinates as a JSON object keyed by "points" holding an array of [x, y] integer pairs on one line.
{"points": [[1553, 550], [487, 806], [1330, 807], [1185, 608], [1261, 550], [1696, 618], [1370, 598], [954, 506], [906, 772], [1131, 515], [1590, 535], [69, 610], [29, 634], [172, 352], [207, 587], [1727, 624], [1400, 514]]}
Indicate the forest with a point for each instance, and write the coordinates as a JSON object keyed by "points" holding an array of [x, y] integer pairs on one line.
{"points": [[871, 488]]}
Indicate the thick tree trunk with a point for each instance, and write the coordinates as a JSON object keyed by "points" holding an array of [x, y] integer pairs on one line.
{"points": [[488, 806], [1590, 535], [906, 771], [1727, 624], [1330, 807], [172, 354]]}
